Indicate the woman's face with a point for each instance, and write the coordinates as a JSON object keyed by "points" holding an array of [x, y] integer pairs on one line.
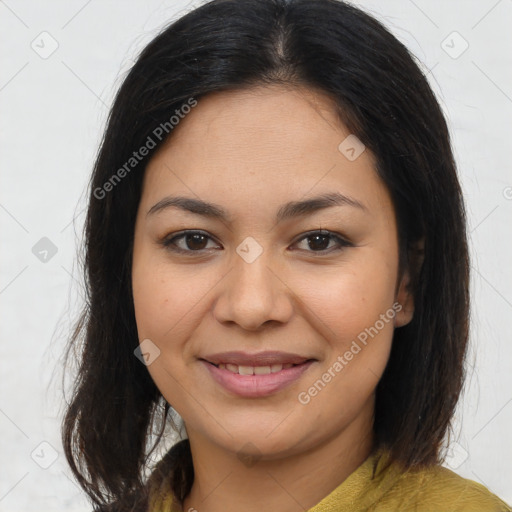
{"points": [[258, 289]]}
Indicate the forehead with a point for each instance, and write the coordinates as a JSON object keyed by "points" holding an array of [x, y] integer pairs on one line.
{"points": [[260, 146], [260, 119]]}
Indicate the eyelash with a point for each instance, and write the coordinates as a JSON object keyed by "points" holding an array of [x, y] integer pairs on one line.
{"points": [[169, 242]]}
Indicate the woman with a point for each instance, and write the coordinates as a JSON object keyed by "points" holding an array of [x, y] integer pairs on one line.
{"points": [[276, 249]]}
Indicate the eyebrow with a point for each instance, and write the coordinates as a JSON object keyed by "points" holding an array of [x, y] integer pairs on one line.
{"points": [[287, 211]]}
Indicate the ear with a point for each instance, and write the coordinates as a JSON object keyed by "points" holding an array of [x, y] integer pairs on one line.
{"points": [[404, 294], [405, 298]]}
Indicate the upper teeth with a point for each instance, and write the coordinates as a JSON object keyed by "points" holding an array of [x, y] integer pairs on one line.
{"points": [[254, 370]]}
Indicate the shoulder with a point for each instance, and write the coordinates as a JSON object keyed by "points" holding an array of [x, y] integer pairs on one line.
{"points": [[173, 471], [119, 507], [131, 504], [437, 489]]}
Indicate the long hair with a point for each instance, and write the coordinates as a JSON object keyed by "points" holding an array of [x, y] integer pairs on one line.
{"points": [[383, 97]]}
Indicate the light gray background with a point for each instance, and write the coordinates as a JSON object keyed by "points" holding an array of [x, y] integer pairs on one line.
{"points": [[53, 111]]}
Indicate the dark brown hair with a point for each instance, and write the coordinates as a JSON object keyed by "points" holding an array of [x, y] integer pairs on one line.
{"points": [[384, 98]]}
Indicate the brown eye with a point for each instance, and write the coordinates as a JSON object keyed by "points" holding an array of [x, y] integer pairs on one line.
{"points": [[188, 241], [195, 241], [319, 241]]}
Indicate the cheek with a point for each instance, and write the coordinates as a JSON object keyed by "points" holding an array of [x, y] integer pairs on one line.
{"points": [[349, 299], [159, 295], [152, 297], [169, 301], [167, 307], [354, 312]]}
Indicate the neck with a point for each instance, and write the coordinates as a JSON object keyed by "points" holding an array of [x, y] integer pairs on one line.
{"points": [[292, 483]]}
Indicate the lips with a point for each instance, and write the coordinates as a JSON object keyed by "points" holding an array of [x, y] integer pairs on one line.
{"points": [[256, 375], [256, 385], [260, 359]]}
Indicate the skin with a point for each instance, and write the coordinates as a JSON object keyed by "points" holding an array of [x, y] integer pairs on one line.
{"points": [[250, 151]]}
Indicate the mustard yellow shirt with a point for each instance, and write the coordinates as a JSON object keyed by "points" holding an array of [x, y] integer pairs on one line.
{"points": [[436, 489]]}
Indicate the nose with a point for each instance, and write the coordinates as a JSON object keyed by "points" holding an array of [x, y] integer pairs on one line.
{"points": [[254, 294]]}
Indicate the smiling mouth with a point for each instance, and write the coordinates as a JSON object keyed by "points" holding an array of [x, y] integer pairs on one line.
{"points": [[266, 378], [255, 370]]}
